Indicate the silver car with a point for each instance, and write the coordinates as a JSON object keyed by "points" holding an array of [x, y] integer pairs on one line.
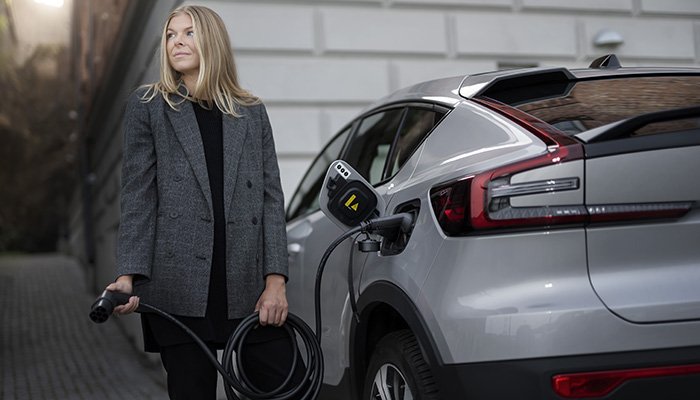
{"points": [[555, 248]]}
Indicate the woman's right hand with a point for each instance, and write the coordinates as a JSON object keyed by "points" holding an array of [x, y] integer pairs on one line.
{"points": [[124, 284]]}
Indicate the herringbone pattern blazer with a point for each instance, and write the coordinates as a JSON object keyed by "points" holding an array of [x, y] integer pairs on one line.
{"points": [[166, 231]]}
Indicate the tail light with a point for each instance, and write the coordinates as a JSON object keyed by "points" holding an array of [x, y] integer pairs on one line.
{"points": [[599, 384], [619, 212], [483, 201]]}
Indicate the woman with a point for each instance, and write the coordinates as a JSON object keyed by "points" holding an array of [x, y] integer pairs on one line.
{"points": [[202, 230]]}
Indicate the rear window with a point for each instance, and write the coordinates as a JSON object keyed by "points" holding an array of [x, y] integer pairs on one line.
{"points": [[590, 104]]}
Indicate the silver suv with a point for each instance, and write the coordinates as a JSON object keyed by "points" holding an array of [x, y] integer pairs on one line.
{"points": [[555, 250]]}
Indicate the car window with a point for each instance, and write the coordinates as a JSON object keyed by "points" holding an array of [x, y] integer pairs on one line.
{"points": [[416, 125], [593, 103], [371, 144], [305, 199]]}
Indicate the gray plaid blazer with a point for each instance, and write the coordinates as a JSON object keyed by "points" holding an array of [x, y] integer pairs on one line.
{"points": [[166, 231]]}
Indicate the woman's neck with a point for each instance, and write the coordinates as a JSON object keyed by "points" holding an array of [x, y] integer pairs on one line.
{"points": [[190, 83]]}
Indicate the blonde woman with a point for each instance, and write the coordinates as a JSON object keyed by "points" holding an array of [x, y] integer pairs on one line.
{"points": [[202, 230]]}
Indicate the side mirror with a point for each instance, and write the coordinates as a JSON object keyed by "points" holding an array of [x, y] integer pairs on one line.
{"points": [[347, 198]]}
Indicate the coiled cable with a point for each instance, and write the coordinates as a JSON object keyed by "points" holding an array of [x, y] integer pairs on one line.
{"points": [[234, 380]]}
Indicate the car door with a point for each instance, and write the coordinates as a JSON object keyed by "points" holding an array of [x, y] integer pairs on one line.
{"points": [[307, 222], [643, 197], [381, 143], [309, 234]]}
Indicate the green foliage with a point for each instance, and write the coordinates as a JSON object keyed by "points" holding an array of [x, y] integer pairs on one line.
{"points": [[36, 168]]}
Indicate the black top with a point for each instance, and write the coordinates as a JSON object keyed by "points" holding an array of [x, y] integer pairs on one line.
{"points": [[215, 326]]}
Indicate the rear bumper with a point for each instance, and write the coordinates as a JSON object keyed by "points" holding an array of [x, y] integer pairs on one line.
{"points": [[532, 379]]}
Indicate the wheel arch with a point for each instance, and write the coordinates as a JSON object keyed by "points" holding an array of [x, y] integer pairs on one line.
{"points": [[384, 307]]}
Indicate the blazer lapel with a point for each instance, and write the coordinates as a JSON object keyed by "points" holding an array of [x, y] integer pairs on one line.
{"points": [[184, 123], [235, 131]]}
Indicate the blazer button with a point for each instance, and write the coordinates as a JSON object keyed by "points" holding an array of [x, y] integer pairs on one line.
{"points": [[254, 221], [177, 178], [174, 214], [171, 254], [249, 184]]}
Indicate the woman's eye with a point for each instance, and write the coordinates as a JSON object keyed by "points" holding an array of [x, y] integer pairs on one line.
{"points": [[170, 35], [190, 33]]}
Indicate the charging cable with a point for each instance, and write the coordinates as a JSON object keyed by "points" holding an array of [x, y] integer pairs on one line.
{"points": [[310, 386], [307, 389]]}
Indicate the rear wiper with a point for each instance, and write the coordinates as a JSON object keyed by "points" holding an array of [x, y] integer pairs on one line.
{"points": [[624, 127]]}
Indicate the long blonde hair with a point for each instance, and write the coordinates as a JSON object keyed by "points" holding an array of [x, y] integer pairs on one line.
{"points": [[217, 80]]}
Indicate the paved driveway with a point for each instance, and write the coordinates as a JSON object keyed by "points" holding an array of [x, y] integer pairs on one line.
{"points": [[49, 348]]}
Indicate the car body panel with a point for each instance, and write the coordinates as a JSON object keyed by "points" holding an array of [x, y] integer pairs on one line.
{"points": [[314, 233], [485, 140], [647, 272], [644, 177], [521, 307]]}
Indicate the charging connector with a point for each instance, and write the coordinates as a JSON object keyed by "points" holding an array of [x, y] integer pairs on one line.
{"points": [[380, 226], [103, 307]]}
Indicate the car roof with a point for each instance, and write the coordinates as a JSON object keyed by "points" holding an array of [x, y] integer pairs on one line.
{"points": [[452, 90]]}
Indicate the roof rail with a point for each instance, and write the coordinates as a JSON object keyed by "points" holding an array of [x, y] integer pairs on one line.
{"points": [[608, 61]]}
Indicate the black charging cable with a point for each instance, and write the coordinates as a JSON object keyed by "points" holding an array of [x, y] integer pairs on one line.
{"points": [[310, 385], [381, 226]]}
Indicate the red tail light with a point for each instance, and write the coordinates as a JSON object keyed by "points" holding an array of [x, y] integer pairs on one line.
{"points": [[482, 201], [451, 207], [619, 212], [599, 384]]}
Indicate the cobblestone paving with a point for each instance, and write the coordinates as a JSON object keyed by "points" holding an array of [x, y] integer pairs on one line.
{"points": [[49, 348]]}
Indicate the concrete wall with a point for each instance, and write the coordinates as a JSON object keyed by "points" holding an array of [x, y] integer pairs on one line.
{"points": [[316, 64]]}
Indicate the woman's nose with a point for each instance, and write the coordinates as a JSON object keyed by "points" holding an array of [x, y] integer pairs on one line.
{"points": [[177, 39]]}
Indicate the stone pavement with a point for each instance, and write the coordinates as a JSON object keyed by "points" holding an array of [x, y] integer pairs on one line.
{"points": [[49, 348]]}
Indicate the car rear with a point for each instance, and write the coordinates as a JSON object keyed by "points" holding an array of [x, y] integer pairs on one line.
{"points": [[574, 271]]}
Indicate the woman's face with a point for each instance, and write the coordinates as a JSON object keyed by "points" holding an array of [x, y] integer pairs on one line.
{"points": [[182, 51]]}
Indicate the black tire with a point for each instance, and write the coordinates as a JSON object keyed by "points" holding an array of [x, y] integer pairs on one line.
{"points": [[397, 370]]}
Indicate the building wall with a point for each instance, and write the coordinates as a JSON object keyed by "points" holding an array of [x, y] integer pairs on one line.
{"points": [[317, 64]]}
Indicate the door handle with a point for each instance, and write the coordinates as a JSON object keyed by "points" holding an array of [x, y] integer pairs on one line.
{"points": [[293, 248]]}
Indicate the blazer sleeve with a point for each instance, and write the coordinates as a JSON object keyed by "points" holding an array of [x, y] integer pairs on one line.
{"points": [[139, 198], [274, 224]]}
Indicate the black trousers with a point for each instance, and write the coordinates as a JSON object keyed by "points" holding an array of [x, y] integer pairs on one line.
{"points": [[191, 376]]}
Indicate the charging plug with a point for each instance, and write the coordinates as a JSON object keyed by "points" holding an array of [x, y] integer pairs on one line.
{"points": [[403, 221], [103, 307]]}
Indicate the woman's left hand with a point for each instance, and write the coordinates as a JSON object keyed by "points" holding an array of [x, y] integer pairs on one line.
{"points": [[272, 304]]}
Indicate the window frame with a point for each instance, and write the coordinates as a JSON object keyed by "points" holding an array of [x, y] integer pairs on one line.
{"points": [[353, 127], [406, 105], [350, 129]]}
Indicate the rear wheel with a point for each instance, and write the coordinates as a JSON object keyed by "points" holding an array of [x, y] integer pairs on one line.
{"points": [[397, 370]]}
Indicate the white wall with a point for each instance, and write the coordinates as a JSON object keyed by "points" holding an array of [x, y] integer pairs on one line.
{"points": [[316, 64]]}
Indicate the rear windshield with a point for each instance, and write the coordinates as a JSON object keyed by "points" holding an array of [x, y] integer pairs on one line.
{"points": [[590, 104]]}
